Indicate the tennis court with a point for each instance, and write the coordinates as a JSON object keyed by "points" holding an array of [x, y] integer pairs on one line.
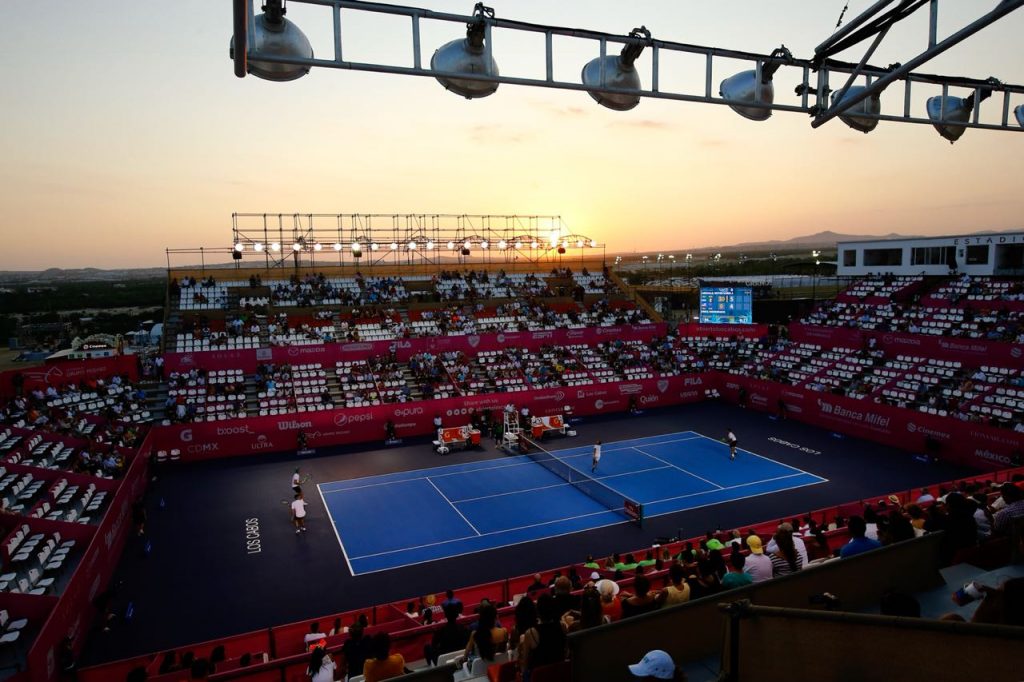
{"points": [[384, 522]]}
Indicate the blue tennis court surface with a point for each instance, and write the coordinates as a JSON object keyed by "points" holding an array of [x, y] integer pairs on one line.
{"points": [[405, 518]]}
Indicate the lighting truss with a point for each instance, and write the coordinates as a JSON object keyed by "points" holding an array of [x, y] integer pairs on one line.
{"points": [[272, 47], [372, 239]]}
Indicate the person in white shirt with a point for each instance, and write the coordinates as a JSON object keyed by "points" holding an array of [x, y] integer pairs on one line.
{"points": [[296, 481], [597, 457], [798, 543], [731, 441], [299, 513]]}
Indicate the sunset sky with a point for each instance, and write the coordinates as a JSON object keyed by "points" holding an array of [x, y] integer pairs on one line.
{"points": [[125, 132]]}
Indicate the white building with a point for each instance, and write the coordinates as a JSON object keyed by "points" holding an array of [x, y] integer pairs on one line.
{"points": [[977, 254]]}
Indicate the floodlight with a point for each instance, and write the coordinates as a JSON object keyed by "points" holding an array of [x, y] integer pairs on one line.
{"points": [[579, 243], [745, 89], [239, 247], [374, 246], [502, 244], [337, 246], [868, 105], [534, 245], [617, 71], [519, 245], [469, 56], [466, 244], [593, 243], [947, 111], [296, 247], [317, 246], [412, 246], [394, 246], [257, 247], [275, 247], [277, 37], [451, 246], [484, 244], [430, 246], [356, 246]]}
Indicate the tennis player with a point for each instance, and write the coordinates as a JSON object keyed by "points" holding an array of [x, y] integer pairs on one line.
{"points": [[597, 457], [730, 440], [296, 481], [299, 513]]}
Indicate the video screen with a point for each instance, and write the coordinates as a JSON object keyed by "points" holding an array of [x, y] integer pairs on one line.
{"points": [[726, 305]]}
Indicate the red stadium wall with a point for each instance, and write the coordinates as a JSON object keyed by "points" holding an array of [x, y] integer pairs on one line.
{"points": [[328, 354], [73, 614], [971, 352], [71, 372], [208, 440], [961, 442]]}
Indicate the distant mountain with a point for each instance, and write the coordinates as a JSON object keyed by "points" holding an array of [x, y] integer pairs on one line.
{"points": [[827, 238]]}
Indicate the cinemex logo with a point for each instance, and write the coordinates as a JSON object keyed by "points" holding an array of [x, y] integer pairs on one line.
{"points": [[200, 448], [914, 428], [408, 411], [662, 385], [186, 436], [630, 389], [992, 456], [233, 430], [292, 425]]}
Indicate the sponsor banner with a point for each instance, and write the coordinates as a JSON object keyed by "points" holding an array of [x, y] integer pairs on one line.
{"points": [[971, 352], [328, 354], [208, 440], [60, 374], [747, 331], [967, 443]]}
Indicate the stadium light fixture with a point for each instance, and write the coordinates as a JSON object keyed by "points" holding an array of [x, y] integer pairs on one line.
{"points": [[412, 246], [750, 88], [593, 243], [337, 246], [470, 55], [870, 105], [519, 245], [257, 247], [534, 245], [618, 72], [239, 247], [565, 245], [430, 246], [317, 246], [451, 246], [484, 244], [296, 247], [502, 244], [579, 243], [394, 246], [356, 246], [466, 244], [276, 36], [374, 246], [275, 247], [946, 111]]}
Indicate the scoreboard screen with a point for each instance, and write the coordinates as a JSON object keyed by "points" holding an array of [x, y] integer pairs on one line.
{"points": [[726, 305]]}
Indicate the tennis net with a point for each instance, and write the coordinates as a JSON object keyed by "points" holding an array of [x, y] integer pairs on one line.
{"points": [[586, 484]]}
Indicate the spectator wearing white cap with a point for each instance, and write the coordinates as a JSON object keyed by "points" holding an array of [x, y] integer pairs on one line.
{"points": [[655, 665]]}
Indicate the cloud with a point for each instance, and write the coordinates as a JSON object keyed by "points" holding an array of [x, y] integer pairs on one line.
{"points": [[490, 132], [643, 123]]}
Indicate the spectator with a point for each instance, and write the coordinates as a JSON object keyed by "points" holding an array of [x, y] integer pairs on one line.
{"points": [[321, 666], [786, 528], [383, 665], [611, 604], [1003, 605], [679, 591], [589, 614], [785, 559], [314, 637], [1013, 509], [544, 643], [453, 601], [562, 593], [858, 543], [737, 577], [758, 564], [656, 665], [355, 651], [452, 636], [643, 601], [487, 640]]}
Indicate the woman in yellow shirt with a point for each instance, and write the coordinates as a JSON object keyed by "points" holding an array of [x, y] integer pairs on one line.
{"points": [[383, 665]]}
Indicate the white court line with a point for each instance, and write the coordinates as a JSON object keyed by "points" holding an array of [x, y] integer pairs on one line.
{"points": [[731, 487], [557, 485], [445, 497], [670, 464], [498, 532], [570, 532], [523, 460], [775, 461], [334, 527]]}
